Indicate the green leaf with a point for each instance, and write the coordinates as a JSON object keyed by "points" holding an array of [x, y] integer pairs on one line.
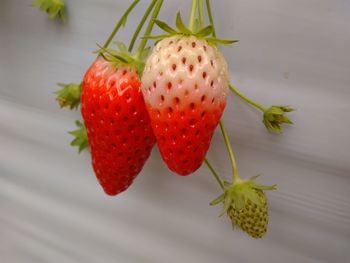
{"points": [[214, 41], [181, 26], [80, 137], [205, 32], [69, 95], [54, 8], [165, 27]]}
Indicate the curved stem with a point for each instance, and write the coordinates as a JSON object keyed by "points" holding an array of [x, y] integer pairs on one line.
{"points": [[120, 23], [242, 96], [149, 28], [142, 22], [210, 17], [192, 15], [200, 13], [214, 173], [235, 177]]}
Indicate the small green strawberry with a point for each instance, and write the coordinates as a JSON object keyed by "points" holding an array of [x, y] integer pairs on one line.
{"points": [[246, 205]]}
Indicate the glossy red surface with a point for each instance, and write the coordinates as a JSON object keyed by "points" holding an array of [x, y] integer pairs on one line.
{"points": [[118, 126], [184, 136]]}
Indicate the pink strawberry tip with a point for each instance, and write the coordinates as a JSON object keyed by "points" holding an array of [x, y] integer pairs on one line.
{"points": [[121, 56], [181, 30]]}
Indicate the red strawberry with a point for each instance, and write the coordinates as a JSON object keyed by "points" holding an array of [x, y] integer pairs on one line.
{"points": [[118, 127], [185, 87]]}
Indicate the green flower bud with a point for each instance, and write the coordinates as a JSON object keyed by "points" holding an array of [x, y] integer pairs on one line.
{"points": [[275, 116]]}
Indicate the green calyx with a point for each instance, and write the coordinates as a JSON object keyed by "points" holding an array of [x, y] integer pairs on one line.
{"points": [[182, 30], [80, 137], [69, 95], [275, 116], [237, 195], [54, 8], [122, 57]]}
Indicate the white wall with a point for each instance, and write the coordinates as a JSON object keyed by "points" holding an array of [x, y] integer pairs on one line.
{"points": [[290, 52]]}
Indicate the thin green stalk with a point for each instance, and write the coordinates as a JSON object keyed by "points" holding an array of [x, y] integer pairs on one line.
{"points": [[210, 17], [214, 173], [149, 28], [120, 23], [246, 98], [142, 22], [200, 13], [235, 177], [192, 15]]}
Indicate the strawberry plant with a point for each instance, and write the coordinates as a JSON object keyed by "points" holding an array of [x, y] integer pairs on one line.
{"points": [[174, 96]]}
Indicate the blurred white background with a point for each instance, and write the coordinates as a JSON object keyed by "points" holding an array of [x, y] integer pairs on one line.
{"points": [[52, 208]]}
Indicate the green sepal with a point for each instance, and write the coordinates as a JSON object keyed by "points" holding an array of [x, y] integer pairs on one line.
{"points": [[121, 46], [204, 32], [239, 200], [229, 197], [215, 40], [157, 36], [80, 137], [123, 56], [236, 195], [251, 194], [181, 26], [275, 116], [54, 8], [69, 95], [218, 200], [182, 30], [163, 25]]}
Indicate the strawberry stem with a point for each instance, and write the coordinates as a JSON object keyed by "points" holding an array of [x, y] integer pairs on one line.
{"points": [[210, 17], [149, 28], [200, 13], [242, 96], [142, 22], [214, 173], [121, 22], [235, 176], [192, 15]]}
